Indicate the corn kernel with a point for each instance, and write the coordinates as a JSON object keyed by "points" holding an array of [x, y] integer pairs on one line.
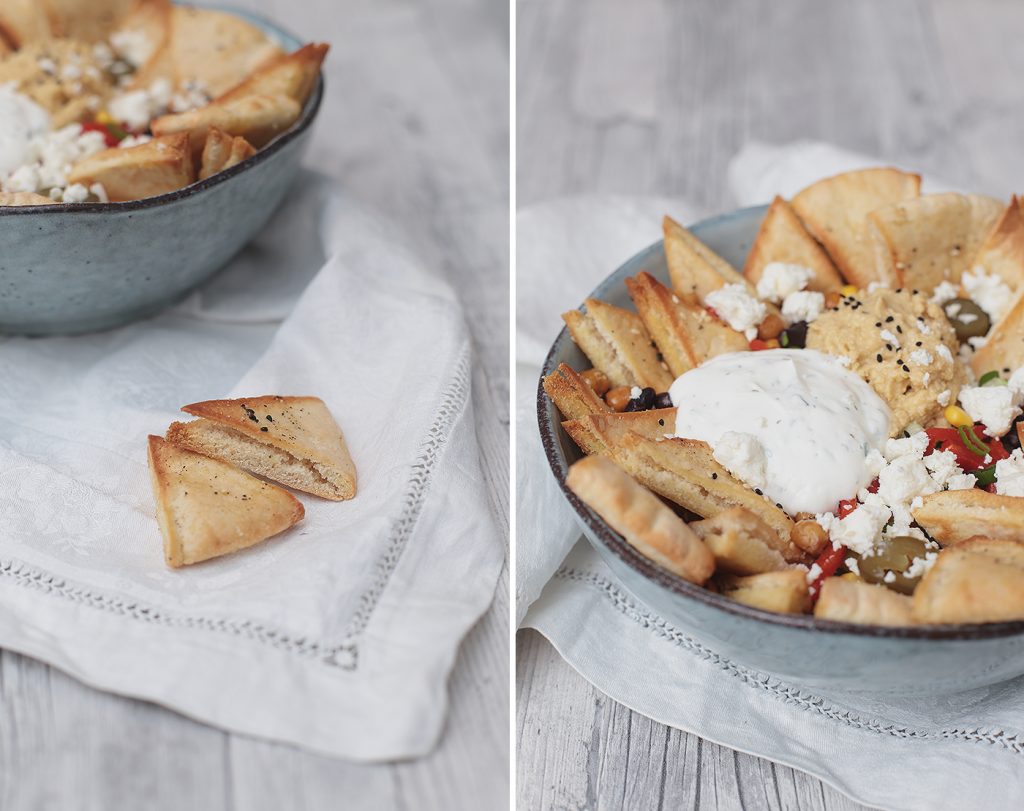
{"points": [[103, 117], [957, 417], [849, 576], [849, 290]]}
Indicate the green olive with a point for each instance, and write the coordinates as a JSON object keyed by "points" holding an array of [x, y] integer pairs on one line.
{"points": [[967, 318], [894, 555]]}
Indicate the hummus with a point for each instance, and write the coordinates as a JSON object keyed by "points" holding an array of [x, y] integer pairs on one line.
{"points": [[902, 345], [66, 78]]}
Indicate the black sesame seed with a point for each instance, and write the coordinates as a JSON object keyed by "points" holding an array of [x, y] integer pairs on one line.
{"points": [[889, 320], [878, 323], [264, 428], [917, 343], [878, 357], [714, 475], [661, 423], [899, 329], [758, 491], [906, 368], [889, 347]]}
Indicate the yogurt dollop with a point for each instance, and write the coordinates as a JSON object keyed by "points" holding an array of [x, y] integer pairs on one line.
{"points": [[793, 423], [20, 120]]}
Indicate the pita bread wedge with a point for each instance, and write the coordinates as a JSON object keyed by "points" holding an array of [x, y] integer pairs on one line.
{"points": [[972, 583], [685, 471], [1003, 250], [617, 343], [207, 508], [930, 239], [141, 37], [741, 542], [1004, 348], [863, 603], [694, 268], [783, 238], [571, 394], [291, 440], [156, 167], [834, 211], [23, 198], [641, 518], [258, 119], [240, 46], [685, 334], [604, 432], [91, 21], [952, 516], [222, 151], [784, 592], [23, 22], [293, 75]]}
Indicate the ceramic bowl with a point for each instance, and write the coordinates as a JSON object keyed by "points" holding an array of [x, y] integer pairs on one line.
{"points": [[69, 269], [816, 653]]}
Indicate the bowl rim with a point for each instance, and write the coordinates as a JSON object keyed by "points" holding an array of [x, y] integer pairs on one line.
{"points": [[306, 119], [550, 426]]}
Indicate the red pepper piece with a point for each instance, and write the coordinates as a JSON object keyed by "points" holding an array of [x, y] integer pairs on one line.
{"points": [[968, 460], [829, 562], [848, 505]]}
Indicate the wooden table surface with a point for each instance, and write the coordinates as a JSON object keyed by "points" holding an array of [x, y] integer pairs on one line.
{"points": [[415, 122], [655, 101]]}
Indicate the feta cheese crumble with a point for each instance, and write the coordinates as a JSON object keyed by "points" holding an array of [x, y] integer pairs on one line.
{"points": [[1010, 474], [988, 291], [737, 308], [945, 291], [803, 305], [782, 279], [995, 407], [743, 456]]}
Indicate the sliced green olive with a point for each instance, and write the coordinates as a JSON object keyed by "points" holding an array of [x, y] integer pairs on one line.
{"points": [[967, 318], [895, 555]]}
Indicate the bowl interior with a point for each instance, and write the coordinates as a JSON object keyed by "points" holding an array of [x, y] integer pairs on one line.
{"points": [[730, 235]]}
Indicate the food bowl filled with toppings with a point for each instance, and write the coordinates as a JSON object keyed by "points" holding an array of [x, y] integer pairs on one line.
{"points": [[794, 431], [142, 145]]}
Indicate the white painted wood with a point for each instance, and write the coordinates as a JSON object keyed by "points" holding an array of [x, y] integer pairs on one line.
{"points": [[654, 97], [415, 123]]}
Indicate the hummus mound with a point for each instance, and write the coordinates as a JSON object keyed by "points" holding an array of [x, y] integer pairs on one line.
{"points": [[902, 345], [62, 76]]}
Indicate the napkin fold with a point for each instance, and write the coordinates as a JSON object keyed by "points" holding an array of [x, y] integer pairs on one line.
{"points": [[960, 751], [338, 635]]}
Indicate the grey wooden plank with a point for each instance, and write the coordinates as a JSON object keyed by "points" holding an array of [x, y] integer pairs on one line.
{"points": [[415, 123]]}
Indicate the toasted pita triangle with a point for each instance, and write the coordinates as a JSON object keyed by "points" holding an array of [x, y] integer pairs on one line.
{"points": [[617, 343], [571, 394], [293, 75], [974, 581], [834, 210], [291, 440], [686, 334], [1003, 250], [88, 22], [930, 239], [207, 508], [783, 238], [23, 22], [694, 268], [1004, 349]]}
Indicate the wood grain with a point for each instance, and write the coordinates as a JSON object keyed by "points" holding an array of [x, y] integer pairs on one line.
{"points": [[655, 101], [415, 123]]}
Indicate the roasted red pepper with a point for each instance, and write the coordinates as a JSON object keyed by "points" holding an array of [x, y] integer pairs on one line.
{"points": [[109, 137], [948, 439], [829, 562], [847, 506]]}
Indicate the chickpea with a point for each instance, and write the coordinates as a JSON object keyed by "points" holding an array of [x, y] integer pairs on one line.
{"points": [[771, 327], [618, 398], [597, 380], [810, 536], [832, 298]]}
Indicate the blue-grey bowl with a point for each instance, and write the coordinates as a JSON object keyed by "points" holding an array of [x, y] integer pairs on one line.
{"points": [[817, 653], [69, 269]]}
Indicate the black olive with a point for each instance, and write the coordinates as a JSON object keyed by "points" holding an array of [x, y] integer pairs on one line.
{"points": [[967, 318], [663, 400], [796, 335], [646, 399]]}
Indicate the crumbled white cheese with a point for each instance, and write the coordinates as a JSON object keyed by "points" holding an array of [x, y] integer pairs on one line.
{"points": [[926, 377], [922, 357], [813, 573], [737, 308], [190, 97], [743, 456], [903, 479], [134, 140], [803, 305], [988, 291], [943, 398], [944, 353], [873, 286], [942, 466], [995, 407], [76, 193], [133, 45], [914, 445], [860, 529], [890, 338], [50, 158], [874, 462], [781, 279], [919, 566], [889, 577], [1016, 382], [961, 481], [1010, 474], [137, 108], [635, 392], [945, 291], [100, 192], [853, 565]]}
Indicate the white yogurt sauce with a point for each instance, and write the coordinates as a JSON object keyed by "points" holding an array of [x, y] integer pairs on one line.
{"points": [[20, 120], [792, 422]]}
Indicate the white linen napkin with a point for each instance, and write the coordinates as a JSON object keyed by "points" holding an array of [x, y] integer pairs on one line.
{"points": [[962, 751], [338, 635]]}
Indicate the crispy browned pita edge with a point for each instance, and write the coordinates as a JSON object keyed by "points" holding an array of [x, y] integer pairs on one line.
{"points": [[159, 166], [784, 592], [974, 581], [951, 516], [863, 603], [571, 394], [1002, 253]]}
